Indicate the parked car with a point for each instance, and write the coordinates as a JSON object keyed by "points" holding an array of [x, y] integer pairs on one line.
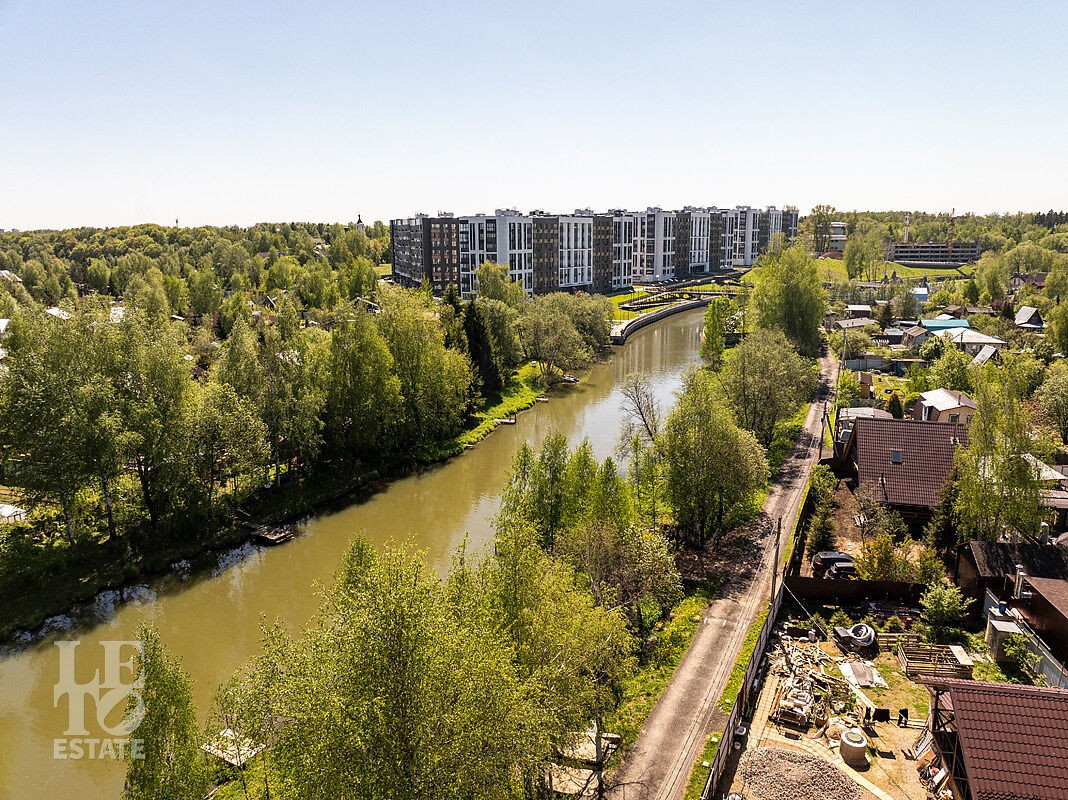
{"points": [[823, 561], [842, 571]]}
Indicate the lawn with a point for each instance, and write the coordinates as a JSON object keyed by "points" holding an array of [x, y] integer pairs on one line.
{"points": [[621, 315], [644, 688], [834, 271]]}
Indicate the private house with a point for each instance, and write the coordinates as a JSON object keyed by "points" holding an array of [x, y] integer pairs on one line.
{"points": [[1029, 318], [890, 336], [997, 741], [991, 566], [986, 353], [905, 462], [856, 323], [1020, 279], [10, 513], [857, 311], [1043, 606], [943, 322], [943, 405], [970, 341], [846, 417], [957, 312], [915, 336]]}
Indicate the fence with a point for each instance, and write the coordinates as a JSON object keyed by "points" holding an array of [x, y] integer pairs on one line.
{"points": [[749, 690], [853, 591]]}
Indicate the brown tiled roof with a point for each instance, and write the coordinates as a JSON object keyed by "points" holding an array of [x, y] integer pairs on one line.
{"points": [[1055, 590], [1014, 738], [926, 460], [998, 559]]}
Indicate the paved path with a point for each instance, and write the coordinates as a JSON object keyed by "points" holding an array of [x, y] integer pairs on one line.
{"points": [[658, 766]]}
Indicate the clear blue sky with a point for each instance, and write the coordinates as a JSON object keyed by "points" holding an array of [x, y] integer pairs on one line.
{"points": [[236, 112]]}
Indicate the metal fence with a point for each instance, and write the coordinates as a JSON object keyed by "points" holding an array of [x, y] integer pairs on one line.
{"points": [[747, 695]]}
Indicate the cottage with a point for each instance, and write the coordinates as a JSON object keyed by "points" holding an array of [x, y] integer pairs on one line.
{"points": [[943, 405], [996, 741], [983, 566], [915, 336], [846, 417], [1029, 318], [10, 513], [858, 310], [856, 323], [970, 341], [905, 462], [1020, 279], [944, 322]]}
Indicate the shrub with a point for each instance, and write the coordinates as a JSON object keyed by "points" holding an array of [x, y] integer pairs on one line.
{"points": [[894, 625], [840, 619], [821, 533], [944, 608]]}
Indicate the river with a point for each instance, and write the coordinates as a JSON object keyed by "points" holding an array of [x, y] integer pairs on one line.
{"points": [[211, 620]]}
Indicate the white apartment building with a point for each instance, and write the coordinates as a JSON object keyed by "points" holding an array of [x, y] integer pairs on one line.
{"points": [[654, 245], [505, 238], [623, 227]]}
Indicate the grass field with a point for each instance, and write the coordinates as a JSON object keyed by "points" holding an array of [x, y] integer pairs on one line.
{"points": [[832, 271]]}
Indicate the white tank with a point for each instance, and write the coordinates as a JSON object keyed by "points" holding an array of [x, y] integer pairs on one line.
{"points": [[854, 748]]}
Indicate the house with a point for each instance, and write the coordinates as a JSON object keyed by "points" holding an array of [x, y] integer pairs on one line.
{"points": [[944, 322], [858, 310], [915, 336], [889, 336], [1020, 279], [1029, 318], [996, 741], [985, 311], [856, 323], [1043, 605], [953, 311], [991, 566], [846, 417], [920, 292], [10, 513], [971, 342], [905, 462], [943, 405]]}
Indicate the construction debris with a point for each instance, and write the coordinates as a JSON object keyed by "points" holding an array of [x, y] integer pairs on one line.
{"points": [[774, 773]]}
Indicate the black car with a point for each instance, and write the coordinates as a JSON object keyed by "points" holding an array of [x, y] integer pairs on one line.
{"points": [[821, 562], [842, 571]]}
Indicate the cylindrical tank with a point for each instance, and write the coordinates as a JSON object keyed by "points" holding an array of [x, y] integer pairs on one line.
{"points": [[854, 748]]}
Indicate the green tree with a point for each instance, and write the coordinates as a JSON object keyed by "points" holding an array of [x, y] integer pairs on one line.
{"points": [[943, 607], [764, 380], [173, 766], [1052, 398], [363, 393], [821, 227], [951, 370], [894, 406], [549, 336], [494, 283], [711, 465], [229, 439], [712, 343], [790, 298]]}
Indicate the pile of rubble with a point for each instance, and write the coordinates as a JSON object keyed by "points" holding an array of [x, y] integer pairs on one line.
{"points": [[774, 773]]}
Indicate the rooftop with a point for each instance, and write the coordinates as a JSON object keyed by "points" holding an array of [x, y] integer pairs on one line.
{"points": [[1055, 590], [907, 461], [998, 559], [944, 399], [1014, 739]]}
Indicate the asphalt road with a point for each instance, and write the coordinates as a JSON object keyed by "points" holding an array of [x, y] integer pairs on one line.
{"points": [[658, 766]]}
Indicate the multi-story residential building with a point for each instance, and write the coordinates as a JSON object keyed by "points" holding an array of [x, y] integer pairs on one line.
{"points": [[586, 251], [919, 254], [505, 238], [427, 248]]}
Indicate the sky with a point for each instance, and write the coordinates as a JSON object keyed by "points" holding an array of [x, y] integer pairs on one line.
{"points": [[237, 112]]}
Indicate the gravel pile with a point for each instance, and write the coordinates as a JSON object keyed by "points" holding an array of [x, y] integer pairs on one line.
{"points": [[774, 773]]}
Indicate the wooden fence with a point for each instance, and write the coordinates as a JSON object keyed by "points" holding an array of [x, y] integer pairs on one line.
{"points": [[747, 696]]}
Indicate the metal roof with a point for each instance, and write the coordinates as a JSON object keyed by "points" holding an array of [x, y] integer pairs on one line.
{"points": [[944, 399], [1014, 739]]}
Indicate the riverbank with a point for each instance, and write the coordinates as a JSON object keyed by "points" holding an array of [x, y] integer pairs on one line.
{"points": [[58, 581]]}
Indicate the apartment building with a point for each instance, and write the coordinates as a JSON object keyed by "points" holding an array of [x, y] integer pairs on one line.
{"points": [[586, 250], [943, 254]]}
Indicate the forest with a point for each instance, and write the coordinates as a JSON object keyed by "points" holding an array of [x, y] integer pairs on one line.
{"points": [[156, 381]]}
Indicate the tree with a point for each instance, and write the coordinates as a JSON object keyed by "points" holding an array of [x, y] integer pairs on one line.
{"points": [[362, 393], [1052, 398], [435, 381], [402, 687], [882, 559], [229, 439], [894, 406], [944, 607], [822, 535], [790, 298], [908, 307], [494, 283], [952, 370], [712, 343], [711, 465], [998, 480], [550, 337], [763, 381], [173, 766], [821, 227]]}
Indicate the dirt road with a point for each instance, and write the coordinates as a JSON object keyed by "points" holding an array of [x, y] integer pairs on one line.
{"points": [[658, 766]]}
